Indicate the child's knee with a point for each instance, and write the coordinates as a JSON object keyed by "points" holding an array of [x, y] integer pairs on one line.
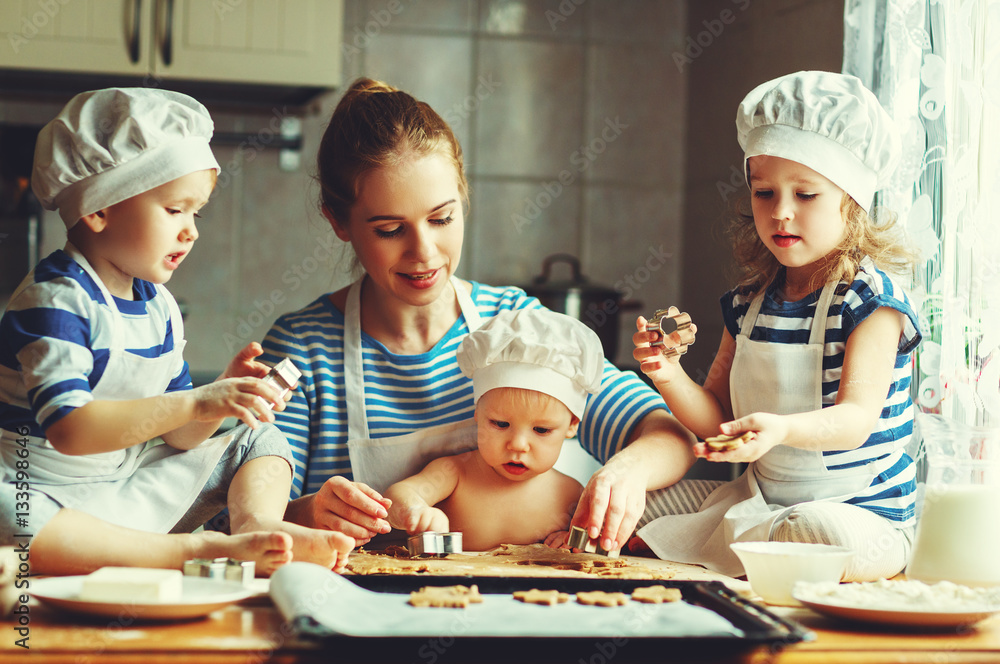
{"points": [[265, 440]]}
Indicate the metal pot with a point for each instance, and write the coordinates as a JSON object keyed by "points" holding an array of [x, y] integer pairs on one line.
{"points": [[597, 306]]}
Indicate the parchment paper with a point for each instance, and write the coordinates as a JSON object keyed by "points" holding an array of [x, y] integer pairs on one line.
{"points": [[304, 590]]}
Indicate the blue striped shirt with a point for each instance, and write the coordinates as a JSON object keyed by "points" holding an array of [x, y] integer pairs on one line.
{"points": [[891, 493], [55, 338], [405, 393]]}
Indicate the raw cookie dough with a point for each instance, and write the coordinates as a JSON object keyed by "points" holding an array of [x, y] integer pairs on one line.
{"points": [[656, 595], [601, 598], [449, 597], [544, 597]]}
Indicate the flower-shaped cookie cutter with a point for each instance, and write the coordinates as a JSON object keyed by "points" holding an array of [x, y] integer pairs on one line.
{"points": [[666, 324]]}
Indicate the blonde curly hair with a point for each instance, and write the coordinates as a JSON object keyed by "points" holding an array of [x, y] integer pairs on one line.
{"points": [[876, 236]]}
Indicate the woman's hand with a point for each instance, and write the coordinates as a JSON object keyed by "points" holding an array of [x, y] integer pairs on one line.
{"points": [[652, 361], [769, 430], [352, 508], [613, 501]]}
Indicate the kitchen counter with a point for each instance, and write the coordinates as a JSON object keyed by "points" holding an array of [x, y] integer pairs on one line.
{"points": [[253, 631]]}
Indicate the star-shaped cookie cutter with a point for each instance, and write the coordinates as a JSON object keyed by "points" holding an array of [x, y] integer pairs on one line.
{"points": [[666, 324]]}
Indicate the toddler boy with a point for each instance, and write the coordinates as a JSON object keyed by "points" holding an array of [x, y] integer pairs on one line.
{"points": [[531, 370], [106, 448]]}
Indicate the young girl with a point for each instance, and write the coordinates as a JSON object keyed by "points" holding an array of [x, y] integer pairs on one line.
{"points": [[815, 359]]}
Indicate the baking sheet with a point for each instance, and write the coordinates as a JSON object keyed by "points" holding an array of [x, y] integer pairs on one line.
{"points": [[332, 605]]}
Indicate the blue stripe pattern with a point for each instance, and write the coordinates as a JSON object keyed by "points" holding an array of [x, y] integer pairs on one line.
{"points": [[55, 337], [891, 493], [405, 393]]}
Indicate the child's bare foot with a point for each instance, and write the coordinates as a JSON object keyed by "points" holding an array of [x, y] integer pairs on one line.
{"points": [[328, 548], [268, 550]]}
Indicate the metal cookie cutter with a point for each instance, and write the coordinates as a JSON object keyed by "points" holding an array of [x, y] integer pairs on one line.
{"points": [[434, 544], [666, 324], [221, 569], [578, 539], [282, 377]]}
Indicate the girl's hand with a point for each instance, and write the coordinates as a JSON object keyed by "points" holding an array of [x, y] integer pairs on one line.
{"points": [[235, 397], [652, 361], [770, 430], [352, 508]]}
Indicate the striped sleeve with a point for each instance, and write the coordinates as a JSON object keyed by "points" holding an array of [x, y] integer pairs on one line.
{"points": [[873, 289], [46, 339]]}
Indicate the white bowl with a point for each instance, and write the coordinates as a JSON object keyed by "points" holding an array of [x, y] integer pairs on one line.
{"points": [[773, 568]]}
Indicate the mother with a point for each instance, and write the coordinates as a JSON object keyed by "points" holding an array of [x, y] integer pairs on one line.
{"points": [[381, 392]]}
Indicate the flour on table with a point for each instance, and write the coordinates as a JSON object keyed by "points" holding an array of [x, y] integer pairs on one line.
{"points": [[901, 595]]}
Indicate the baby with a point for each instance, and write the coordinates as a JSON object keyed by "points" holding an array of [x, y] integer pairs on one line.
{"points": [[531, 371]]}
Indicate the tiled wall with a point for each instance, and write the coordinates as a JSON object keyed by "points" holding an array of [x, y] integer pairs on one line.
{"points": [[533, 89]]}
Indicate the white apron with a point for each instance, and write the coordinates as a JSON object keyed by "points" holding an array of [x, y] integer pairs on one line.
{"points": [[381, 462], [148, 486], [772, 378]]}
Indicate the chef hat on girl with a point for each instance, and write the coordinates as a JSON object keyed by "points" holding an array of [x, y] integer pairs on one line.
{"points": [[534, 349], [829, 122], [109, 145]]}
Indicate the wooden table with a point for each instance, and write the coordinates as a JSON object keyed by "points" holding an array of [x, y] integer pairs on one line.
{"points": [[253, 631]]}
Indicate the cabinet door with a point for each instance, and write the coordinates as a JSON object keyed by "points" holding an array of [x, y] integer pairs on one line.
{"points": [[284, 42], [93, 36]]}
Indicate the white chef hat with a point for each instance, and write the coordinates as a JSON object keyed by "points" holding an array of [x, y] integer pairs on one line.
{"points": [[109, 145], [829, 122], [534, 349]]}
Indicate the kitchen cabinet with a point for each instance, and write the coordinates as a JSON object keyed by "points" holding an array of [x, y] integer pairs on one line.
{"points": [[260, 42]]}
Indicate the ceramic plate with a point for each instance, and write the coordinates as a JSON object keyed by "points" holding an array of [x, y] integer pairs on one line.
{"points": [[900, 618], [199, 598]]}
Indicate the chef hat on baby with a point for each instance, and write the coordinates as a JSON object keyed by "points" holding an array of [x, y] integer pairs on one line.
{"points": [[829, 122], [534, 349], [109, 145]]}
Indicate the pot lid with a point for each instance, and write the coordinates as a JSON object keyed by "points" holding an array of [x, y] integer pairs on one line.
{"points": [[577, 283]]}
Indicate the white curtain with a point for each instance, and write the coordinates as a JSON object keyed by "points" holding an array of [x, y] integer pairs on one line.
{"points": [[935, 65]]}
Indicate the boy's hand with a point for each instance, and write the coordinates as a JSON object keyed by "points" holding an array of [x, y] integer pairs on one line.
{"points": [[244, 364], [652, 361], [420, 519], [234, 397], [557, 540]]}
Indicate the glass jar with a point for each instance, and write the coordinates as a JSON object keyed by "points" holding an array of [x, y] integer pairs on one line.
{"points": [[958, 532]]}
